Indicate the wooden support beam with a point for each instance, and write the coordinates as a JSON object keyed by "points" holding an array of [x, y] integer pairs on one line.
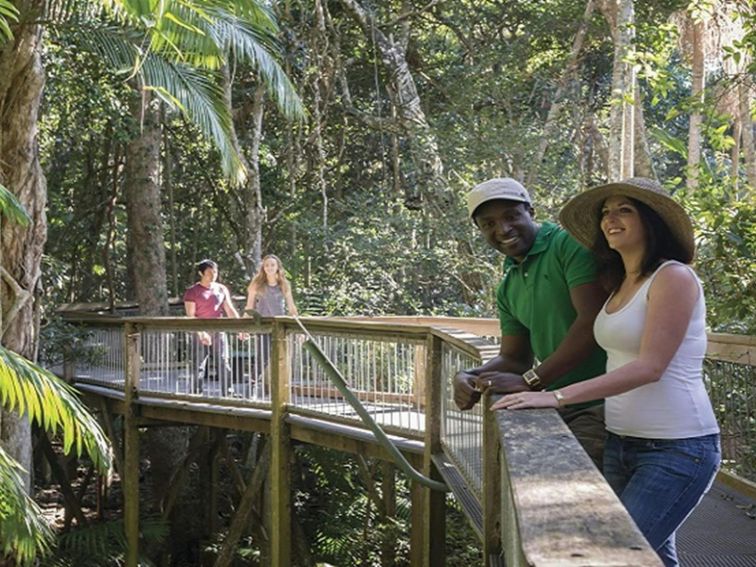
{"points": [[130, 474], [198, 446], [434, 502], [81, 492], [73, 507], [255, 517], [115, 443], [417, 512], [491, 484], [280, 465], [245, 508], [213, 477]]}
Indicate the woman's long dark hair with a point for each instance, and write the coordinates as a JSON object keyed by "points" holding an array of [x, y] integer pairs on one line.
{"points": [[661, 245]]}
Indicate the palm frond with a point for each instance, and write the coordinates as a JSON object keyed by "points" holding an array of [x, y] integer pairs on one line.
{"points": [[53, 405], [259, 48], [116, 46], [23, 532], [8, 13], [199, 96], [11, 208]]}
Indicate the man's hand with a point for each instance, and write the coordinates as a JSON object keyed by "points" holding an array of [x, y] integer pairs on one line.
{"points": [[205, 338], [466, 393], [500, 382]]}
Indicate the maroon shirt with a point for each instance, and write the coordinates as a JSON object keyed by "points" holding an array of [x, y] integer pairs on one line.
{"points": [[208, 301]]}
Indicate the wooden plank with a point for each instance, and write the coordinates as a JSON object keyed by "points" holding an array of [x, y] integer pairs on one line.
{"points": [[353, 446], [742, 485], [740, 349], [221, 417], [330, 392], [565, 513], [131, 447], [491, 503], [434, 507], [280, 469]]}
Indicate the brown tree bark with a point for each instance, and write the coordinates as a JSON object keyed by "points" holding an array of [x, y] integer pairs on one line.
{"points": [[145, 240], [428, 166], [749, 153], [22, 79], [697, 99], [556, 108], [620, 14]]}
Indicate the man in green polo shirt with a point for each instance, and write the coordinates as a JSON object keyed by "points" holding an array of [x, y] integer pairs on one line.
{"points": [[547, 301]]}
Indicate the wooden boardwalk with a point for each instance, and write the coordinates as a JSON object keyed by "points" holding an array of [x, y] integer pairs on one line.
{"points": [[720, 532]]}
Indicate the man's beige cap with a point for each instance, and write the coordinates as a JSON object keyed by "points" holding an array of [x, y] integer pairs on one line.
{"points": [[504, 188]]}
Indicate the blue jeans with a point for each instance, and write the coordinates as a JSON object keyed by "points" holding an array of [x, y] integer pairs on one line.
{"points": [[660, 481]]}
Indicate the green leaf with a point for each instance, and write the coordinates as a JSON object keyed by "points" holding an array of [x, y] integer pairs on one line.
{"points": [[11, 208], [8, 13]]}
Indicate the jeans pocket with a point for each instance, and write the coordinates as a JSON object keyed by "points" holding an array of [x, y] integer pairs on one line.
{"points": [[693, 452]]}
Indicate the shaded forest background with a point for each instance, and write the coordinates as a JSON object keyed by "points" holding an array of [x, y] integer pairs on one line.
{"points": [[361, 199]]}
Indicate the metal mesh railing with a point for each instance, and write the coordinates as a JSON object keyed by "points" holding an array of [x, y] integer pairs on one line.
{"points": [[385, 374], [461, 431], [101, 356], [732, 388], [211, 364]]}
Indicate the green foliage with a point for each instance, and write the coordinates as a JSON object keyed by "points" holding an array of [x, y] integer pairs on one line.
{"points": [[12, 209], [341, 523], [53, 405], [103, 544], [23, 532], [61, 341], [8, 14], [726, 255]]}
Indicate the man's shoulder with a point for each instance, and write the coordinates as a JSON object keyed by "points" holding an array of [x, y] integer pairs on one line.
{"points": [[562, 242], [191, 290]]}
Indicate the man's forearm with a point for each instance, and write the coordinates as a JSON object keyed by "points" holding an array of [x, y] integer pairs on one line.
{"points": [[500, 363], [576, 347]]}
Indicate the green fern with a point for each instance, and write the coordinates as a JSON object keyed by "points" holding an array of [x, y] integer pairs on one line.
{"points": [[10, 207], [23, 532]]}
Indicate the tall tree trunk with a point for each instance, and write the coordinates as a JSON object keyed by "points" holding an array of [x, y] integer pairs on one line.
{"points": [[749, 154], [428, 175], [621, 17], [569, 73], [146, 240], [697, 99], [22, 79], [249, 194], [643, 166]]}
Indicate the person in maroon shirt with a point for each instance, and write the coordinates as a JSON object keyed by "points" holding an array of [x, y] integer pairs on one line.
{"points": [[208, 299]]}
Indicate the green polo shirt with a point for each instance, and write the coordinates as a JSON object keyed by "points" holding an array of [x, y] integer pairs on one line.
{"points": [[534, 299]]}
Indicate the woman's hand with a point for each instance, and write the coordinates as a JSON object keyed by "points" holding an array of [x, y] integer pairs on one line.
{"points": [[523, 400]]}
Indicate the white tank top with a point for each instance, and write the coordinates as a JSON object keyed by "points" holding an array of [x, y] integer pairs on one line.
{"points": [[677, 405]]}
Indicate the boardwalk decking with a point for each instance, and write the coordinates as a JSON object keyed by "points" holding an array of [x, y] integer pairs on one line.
{"points": [[720, 532]]}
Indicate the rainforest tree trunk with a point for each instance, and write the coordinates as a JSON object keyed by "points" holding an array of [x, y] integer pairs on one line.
{"points": [[697, 98], [427, 176], [146, 240], [22, 79]]}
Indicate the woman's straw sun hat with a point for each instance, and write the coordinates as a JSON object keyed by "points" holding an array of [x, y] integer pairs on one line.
{"points": [[580, 216]]}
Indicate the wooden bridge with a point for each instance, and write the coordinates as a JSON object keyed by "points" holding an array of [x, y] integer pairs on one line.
{"points": [[529, 491]]}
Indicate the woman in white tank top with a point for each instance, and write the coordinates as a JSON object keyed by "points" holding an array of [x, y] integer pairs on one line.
{"points": [[662, 450]]}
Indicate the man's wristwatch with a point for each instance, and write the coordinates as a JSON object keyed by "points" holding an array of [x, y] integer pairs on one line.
{"points": [[532, 380]]}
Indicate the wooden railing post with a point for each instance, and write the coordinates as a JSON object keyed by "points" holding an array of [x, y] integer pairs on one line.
{"points": [[433, 501], [491, 483], [280, 469], [132, 370]]}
